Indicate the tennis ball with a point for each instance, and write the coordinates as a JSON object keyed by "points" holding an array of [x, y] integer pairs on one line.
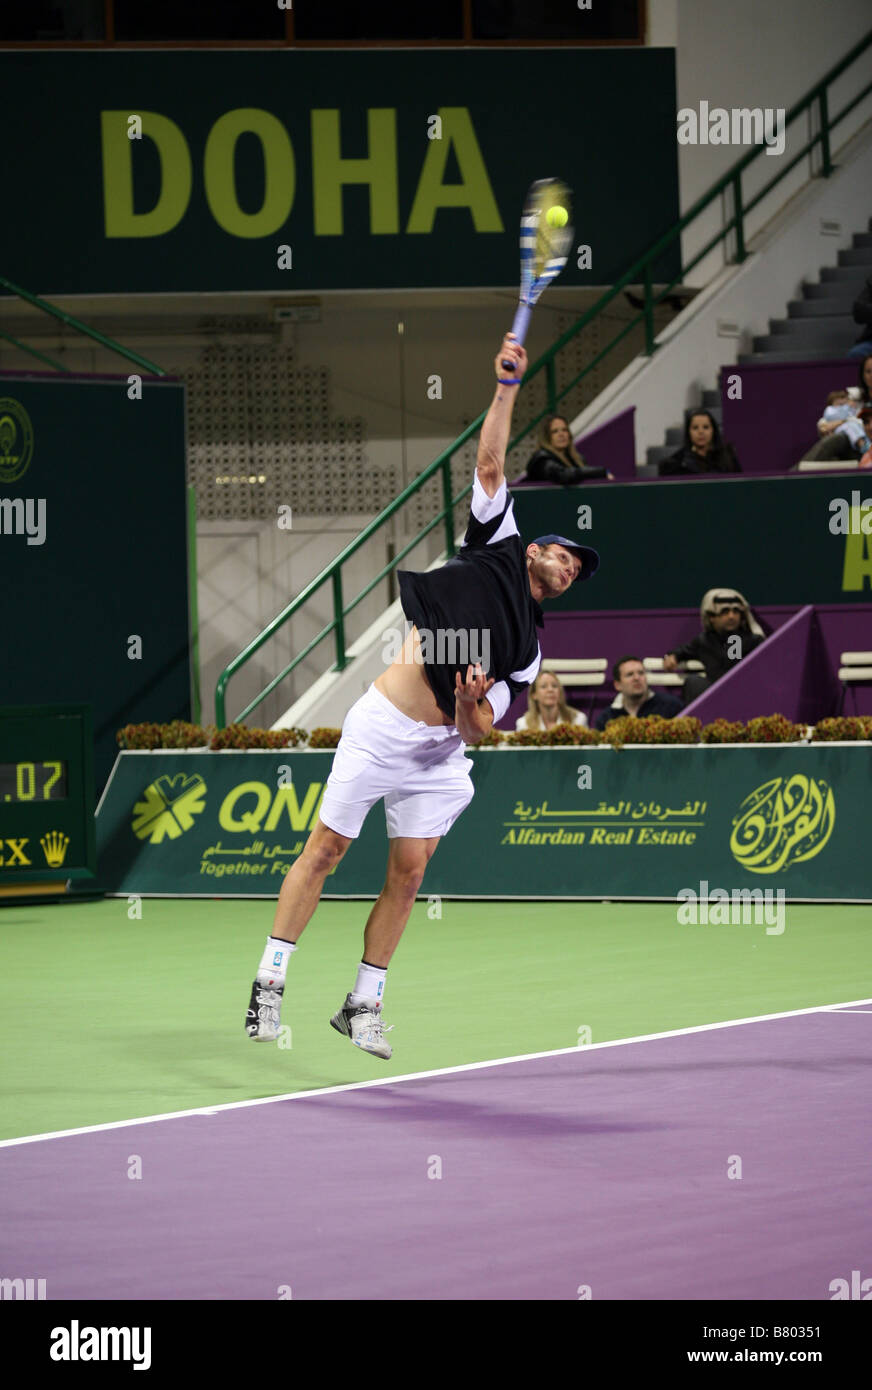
{"points": [[557, 217]]}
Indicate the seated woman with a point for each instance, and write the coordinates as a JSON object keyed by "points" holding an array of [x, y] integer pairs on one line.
{"points": [[547, 705], [703, 450], [557, 460]]}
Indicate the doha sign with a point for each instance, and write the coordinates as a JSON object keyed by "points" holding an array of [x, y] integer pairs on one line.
{"points": [[286, 171]]}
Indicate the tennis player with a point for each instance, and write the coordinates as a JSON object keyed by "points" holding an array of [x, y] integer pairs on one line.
{"points": [[403, 741]]}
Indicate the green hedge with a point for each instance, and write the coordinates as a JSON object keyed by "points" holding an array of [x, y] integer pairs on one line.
{"points": [[771, 728]]}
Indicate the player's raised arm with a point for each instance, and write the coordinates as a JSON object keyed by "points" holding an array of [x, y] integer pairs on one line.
{"points": [[494, 437]]}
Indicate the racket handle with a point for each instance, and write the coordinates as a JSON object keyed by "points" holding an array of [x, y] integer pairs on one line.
{"points": [[519, 328]]}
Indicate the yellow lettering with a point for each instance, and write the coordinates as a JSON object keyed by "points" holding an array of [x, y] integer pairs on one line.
{"points": [[331, 172], [175, 176], [298, 815], [278, 165], [858, 561], [249, 820], [473, 192]]}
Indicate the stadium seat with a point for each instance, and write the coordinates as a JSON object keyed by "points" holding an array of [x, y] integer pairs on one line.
{"points": [[589, 671], [855, 669], [657, 676]]}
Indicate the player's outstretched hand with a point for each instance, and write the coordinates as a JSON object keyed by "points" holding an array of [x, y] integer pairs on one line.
{"points": [[474, 688], [511, 351]]}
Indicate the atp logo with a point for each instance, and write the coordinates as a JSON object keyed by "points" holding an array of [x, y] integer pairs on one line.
{"points": [[783, 822], [168, 807], [16, 440]]}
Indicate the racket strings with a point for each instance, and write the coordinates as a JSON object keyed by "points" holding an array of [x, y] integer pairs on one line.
{"points": [[550, 245]]}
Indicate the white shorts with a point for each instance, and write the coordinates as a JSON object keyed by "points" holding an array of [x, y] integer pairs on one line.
{"points": [[420, 770]]}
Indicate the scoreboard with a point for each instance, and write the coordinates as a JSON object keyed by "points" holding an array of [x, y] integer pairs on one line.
{"points": [[47, 836]]}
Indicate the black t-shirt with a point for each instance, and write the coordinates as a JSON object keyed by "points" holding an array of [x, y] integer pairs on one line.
{"points": [[478, 607], [713, 650], [545, 467]]}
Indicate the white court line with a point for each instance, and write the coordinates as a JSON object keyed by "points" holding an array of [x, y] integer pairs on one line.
{"points": [[423, 1075]]}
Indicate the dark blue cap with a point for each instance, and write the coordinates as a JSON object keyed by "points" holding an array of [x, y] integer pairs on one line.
{"points": [[589, 558]]}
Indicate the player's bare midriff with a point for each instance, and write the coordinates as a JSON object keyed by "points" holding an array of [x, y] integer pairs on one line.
{"points": [[406, 686]]}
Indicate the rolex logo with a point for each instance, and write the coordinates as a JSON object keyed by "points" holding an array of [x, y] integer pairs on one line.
{"points": [[54, 847]]}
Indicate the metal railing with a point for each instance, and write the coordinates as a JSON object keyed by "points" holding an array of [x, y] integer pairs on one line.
{"points": [[76, 324], [641, 272]]}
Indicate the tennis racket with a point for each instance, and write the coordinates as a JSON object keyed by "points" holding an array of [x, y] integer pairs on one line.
{"points": [[544, 249]]}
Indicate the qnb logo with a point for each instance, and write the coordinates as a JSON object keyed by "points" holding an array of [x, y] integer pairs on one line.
{"points": [[168, 807], [75, 1343], [22, 1288]]}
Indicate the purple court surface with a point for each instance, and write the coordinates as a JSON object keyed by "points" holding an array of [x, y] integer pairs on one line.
{"points": [[603, 1172]]}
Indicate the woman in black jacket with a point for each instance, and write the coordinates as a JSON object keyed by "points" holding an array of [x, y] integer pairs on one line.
{"points": [[557, 460], [703, 450]]}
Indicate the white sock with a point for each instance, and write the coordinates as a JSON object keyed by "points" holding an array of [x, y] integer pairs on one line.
{"points": [[370, 983], [274, 961]]}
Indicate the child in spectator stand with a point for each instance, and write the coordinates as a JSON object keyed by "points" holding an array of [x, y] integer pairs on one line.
{"points": [[844, 430], [547, 706], [703, 450], [840, 406], [557, 460]]}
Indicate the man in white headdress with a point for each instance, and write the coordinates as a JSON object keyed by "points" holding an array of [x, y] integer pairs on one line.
{"points": [[729, 632]]}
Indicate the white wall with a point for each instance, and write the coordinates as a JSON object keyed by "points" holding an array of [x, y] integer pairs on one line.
{"points": [[792, 249], [755, 53], [248, 573]]}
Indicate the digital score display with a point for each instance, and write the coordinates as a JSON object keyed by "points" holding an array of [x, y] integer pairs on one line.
{"points": [[47, 833], [36, 781]]}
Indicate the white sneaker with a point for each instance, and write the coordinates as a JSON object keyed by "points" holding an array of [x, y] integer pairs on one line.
{"points": [[264, 1012], [363, 1025]]}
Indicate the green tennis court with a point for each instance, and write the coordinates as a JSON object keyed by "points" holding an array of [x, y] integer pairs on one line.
{"points": [[106, 1018]]}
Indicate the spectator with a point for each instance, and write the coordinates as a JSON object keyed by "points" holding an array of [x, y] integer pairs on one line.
{"points": [[863, 316], [725, 617], [839, 407], [703, 450], [546, 705], [864, 381], [634, 699], [557, 460], [845, 431], [860, 395]]}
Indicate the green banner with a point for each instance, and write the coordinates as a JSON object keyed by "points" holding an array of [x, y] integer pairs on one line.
{"points": [[93, 549], [288, 171], [795, 540], [544, 823]]}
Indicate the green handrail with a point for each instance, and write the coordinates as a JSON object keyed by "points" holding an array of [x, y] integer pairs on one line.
{"points": [[640, 272], [23, 347], [80, 327]]}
